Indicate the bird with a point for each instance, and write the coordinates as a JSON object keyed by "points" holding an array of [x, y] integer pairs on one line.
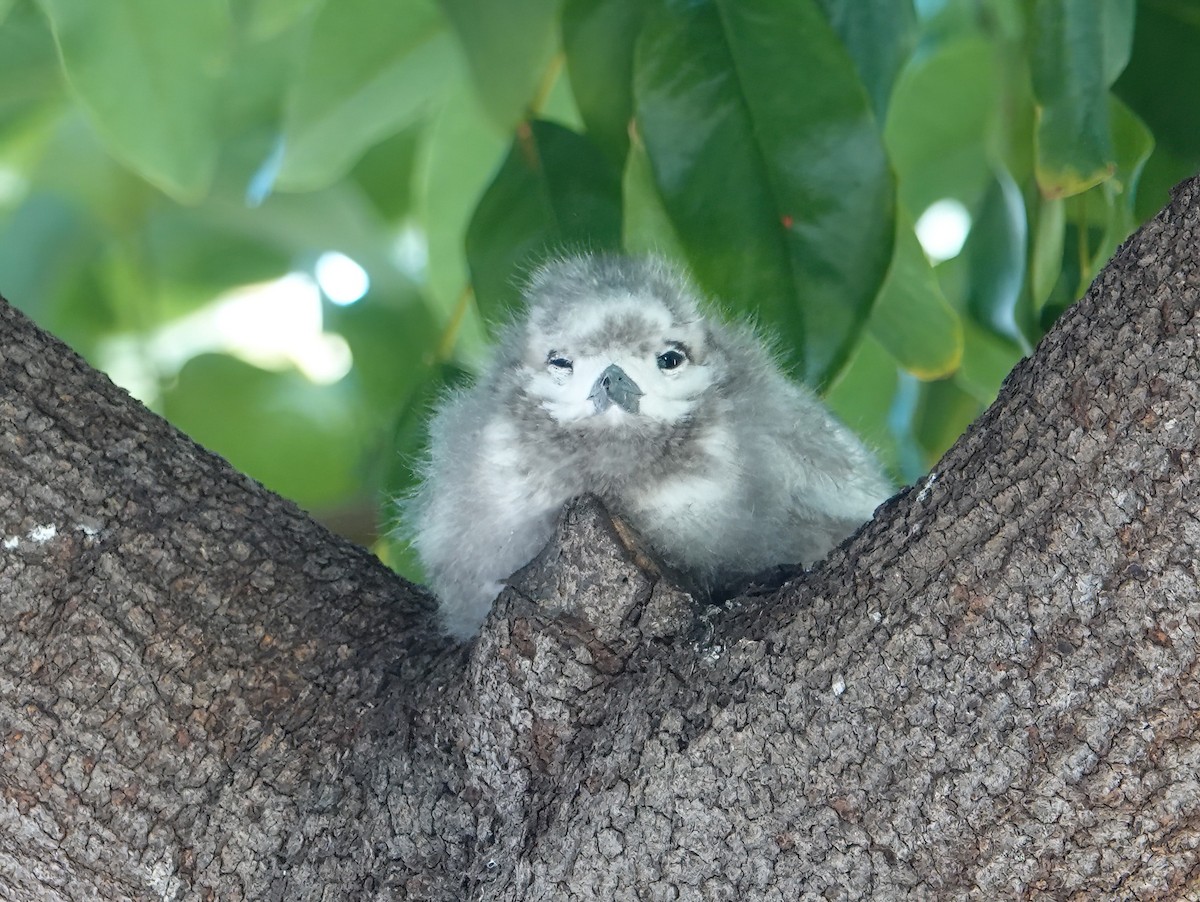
{"points": [[621, 381]]}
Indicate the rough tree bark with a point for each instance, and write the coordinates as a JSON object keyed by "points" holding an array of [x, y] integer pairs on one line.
{"points": [[990, 692]]}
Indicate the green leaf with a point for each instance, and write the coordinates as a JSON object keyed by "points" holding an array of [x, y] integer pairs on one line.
{"points": [[385, 173], [304, 225], [1079, 49], [879, 35], [509, 47], [987, 360], [1162, 81], [29, 73], [369, 70], [646, 229], [940, 114], [381, 331], [1114, 200], [45, 244], [460, 154], [555, 193], [912, 318], [188, 250], [296, 438], [944, 413], [862, 396], [769, 163], [1046, 262], [147, 73], [1132, 143], [598, 38], [996, 249], [1162, 86], [267, 18]]}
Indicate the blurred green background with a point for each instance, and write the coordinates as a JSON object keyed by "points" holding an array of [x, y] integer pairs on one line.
{"points": [[287, 225]]}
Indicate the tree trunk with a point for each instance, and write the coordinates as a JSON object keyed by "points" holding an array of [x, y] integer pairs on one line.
{"points": [[989, 692]]}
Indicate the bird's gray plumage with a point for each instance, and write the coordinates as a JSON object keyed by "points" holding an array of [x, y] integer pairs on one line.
{"points": [[618, 382]]}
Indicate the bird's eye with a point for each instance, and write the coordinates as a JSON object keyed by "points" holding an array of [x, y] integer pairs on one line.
{"points": [[671, 360], [561, 364]]}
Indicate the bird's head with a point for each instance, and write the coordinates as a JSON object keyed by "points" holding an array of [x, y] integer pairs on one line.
{"points": [[615, 344]]}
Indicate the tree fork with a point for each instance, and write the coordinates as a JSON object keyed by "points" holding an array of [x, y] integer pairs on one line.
{"points": [[990, 690]]}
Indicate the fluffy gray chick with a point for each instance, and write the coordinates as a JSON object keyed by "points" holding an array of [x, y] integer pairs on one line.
{"points": [[618, 383]]}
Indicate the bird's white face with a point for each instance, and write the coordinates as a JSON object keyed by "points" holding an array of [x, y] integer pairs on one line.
{"points": [[618, 362]]}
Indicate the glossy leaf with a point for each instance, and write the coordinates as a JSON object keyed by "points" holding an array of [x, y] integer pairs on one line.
{"points": [[598, 38], [770, 166], [509, 47], [879, 35], [555, 193], [912, 318], [147, 73], [369, 69], [997, 251], [1079, 49]]}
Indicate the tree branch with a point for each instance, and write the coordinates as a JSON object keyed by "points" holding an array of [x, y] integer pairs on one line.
{"points": [[991, 689]]}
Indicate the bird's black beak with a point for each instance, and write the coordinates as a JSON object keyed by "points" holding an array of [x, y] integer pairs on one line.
{"points": [[614, 387]]}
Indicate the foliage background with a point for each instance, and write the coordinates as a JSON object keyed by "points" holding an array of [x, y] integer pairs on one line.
{"points": [[172, 175]]}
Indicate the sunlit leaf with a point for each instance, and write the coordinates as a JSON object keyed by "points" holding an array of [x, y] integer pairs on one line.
{"points": [[369, 69], [147, 73], [509, 47], [938, 123], [459, 156], [770, 165], [29, 68]]}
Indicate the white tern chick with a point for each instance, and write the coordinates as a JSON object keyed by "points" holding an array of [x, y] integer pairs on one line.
{"points": [[617, 382]]}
